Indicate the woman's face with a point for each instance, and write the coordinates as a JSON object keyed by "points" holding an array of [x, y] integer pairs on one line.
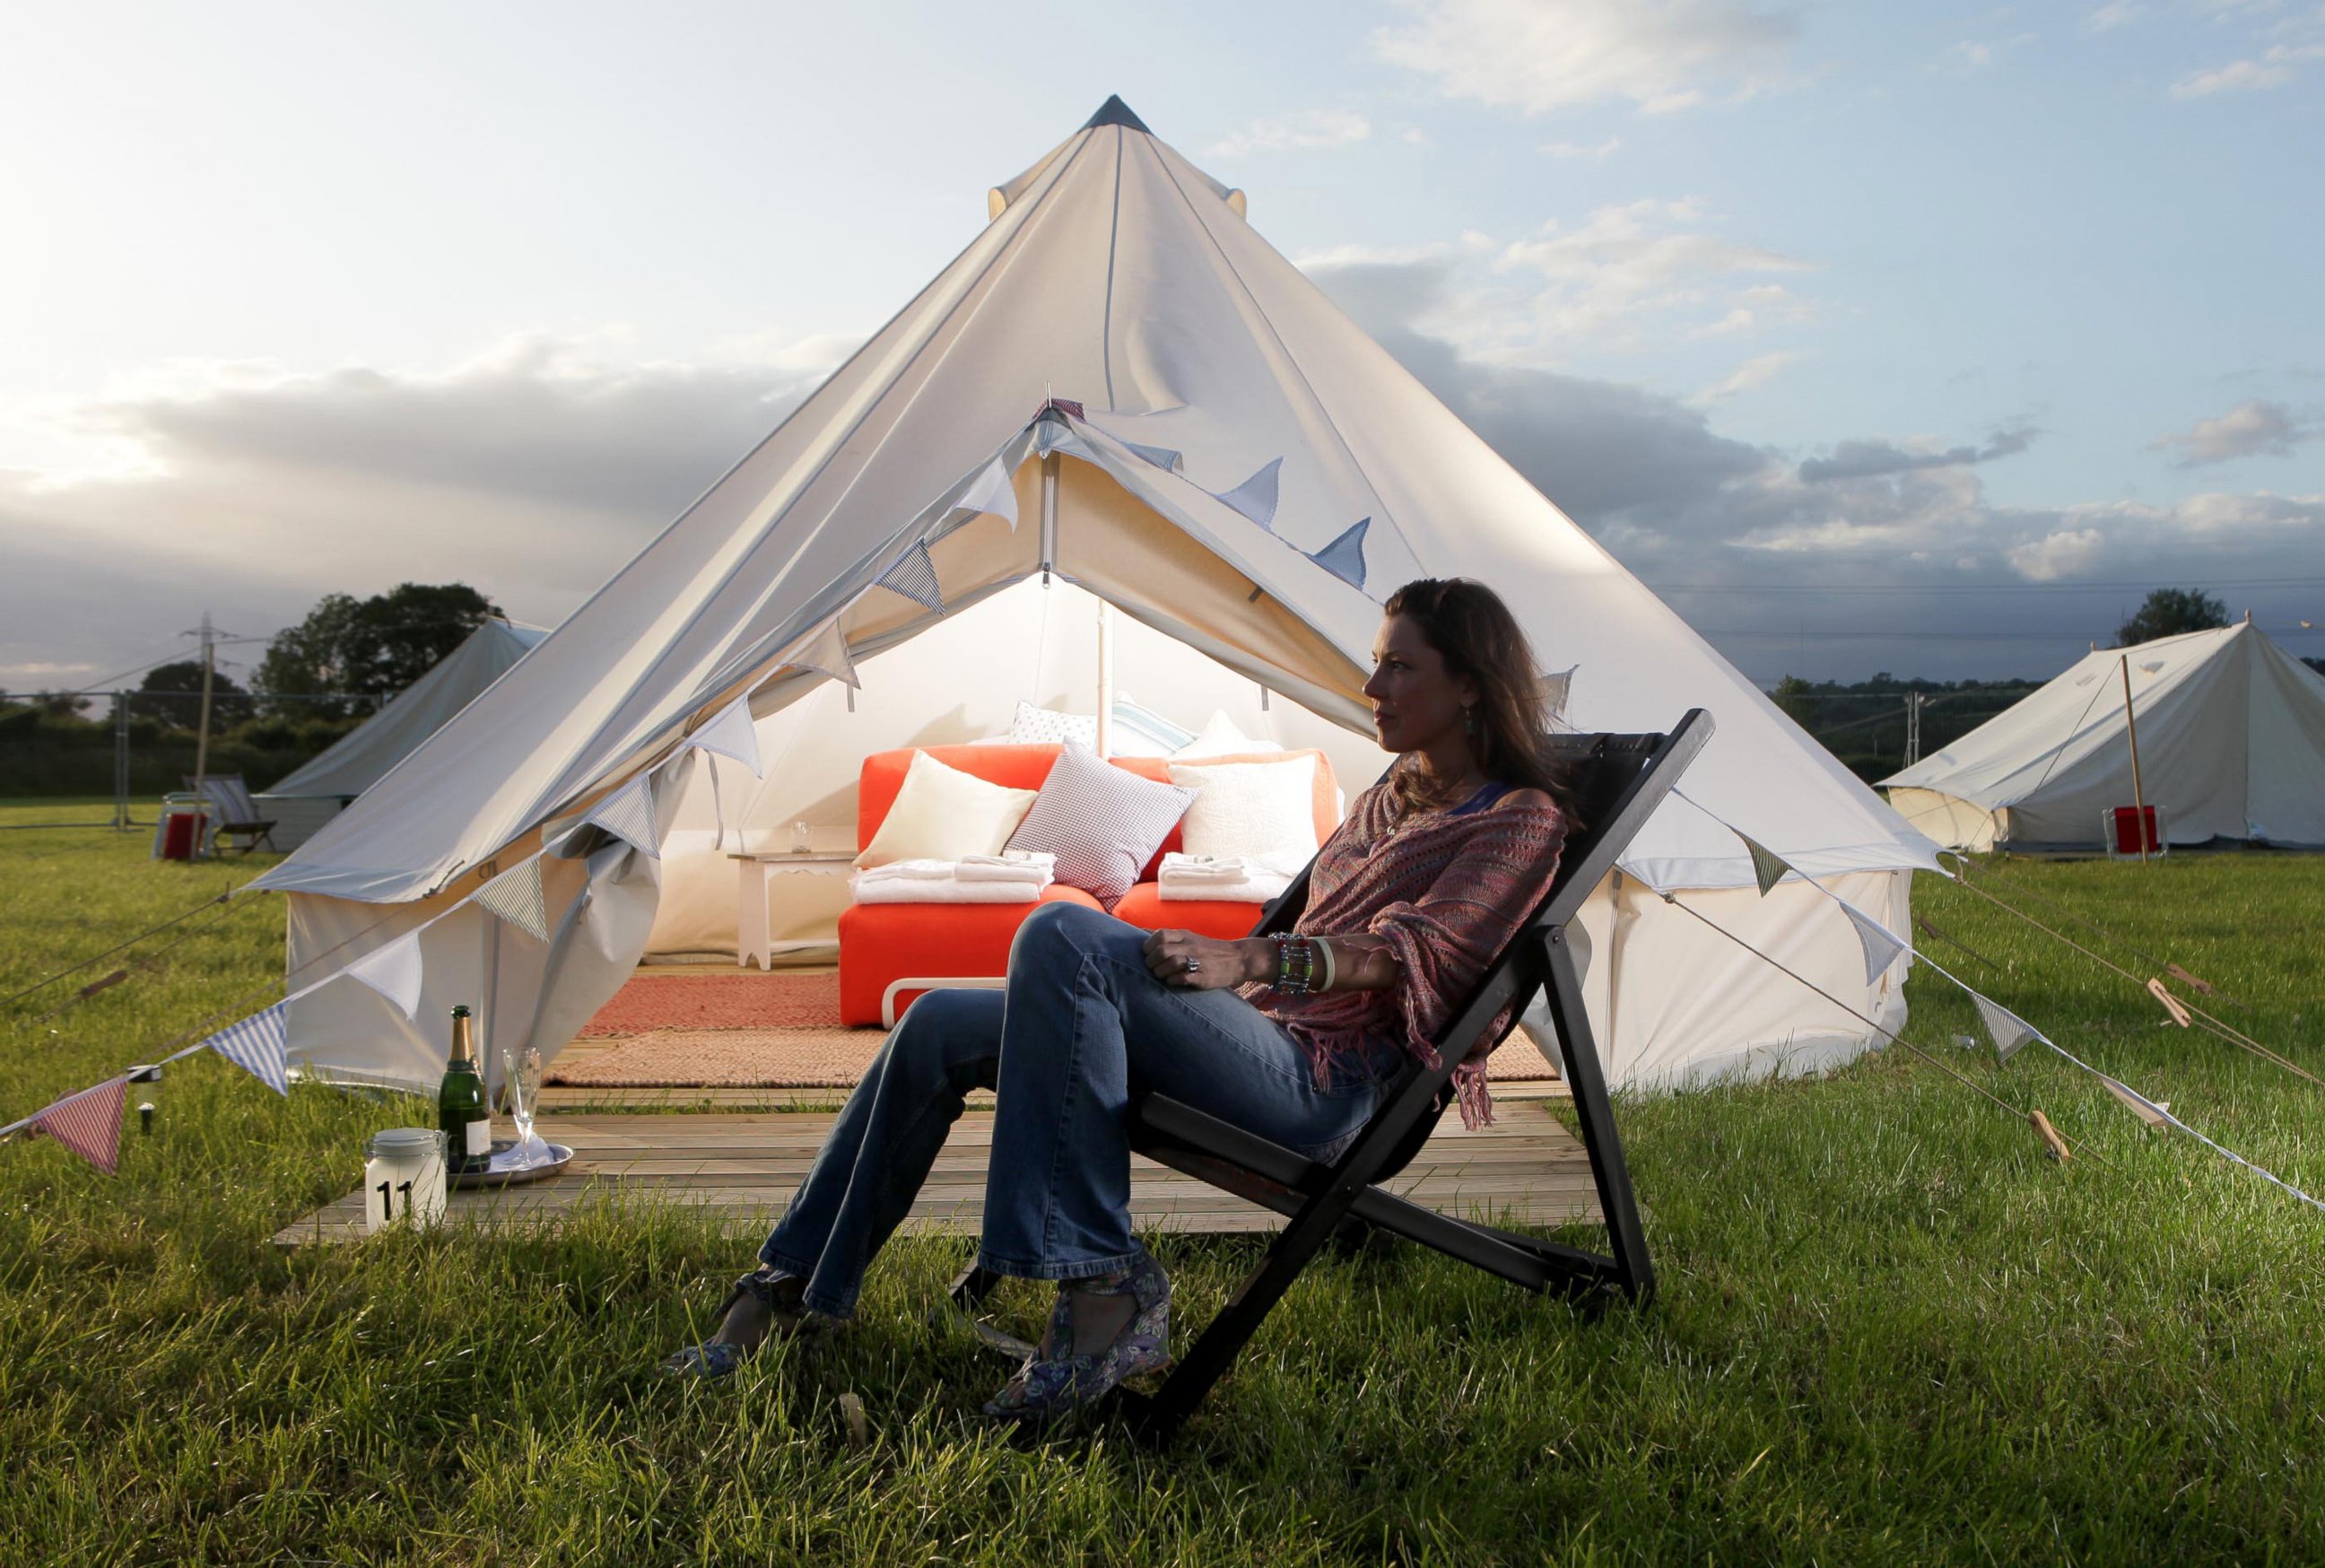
{"points": [[1416, 704]]}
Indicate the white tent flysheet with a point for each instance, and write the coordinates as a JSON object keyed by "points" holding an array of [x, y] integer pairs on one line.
{"points": [[2231, 736], [1118, 390]]}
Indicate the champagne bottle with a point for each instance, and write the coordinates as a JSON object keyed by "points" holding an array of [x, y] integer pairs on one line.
{"points": [[460, 1109]]}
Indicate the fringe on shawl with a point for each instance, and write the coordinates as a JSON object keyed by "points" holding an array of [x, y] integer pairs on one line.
{"points": [[1456, 889]]}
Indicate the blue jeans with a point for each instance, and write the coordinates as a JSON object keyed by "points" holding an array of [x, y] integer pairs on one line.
{"points": [[1081, 1027]]}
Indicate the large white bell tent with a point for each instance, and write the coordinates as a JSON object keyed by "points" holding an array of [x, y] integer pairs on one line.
{"points": [[305, 799], [2231, 730], [1117, 392]]}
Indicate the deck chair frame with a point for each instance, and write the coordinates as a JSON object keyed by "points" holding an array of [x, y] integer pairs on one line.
{"points": [[228, 796], [1620, 779]]}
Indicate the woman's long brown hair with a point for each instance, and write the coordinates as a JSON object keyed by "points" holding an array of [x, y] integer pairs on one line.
{"points": [[1474, 632]]}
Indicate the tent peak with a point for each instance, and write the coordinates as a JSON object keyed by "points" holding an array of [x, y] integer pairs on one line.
{"points": [[1114, 112]]}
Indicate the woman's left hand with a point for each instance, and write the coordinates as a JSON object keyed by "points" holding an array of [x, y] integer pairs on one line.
{"points": [[1187, 963]]}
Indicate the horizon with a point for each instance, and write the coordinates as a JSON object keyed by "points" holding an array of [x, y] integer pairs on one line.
{"points": [[1923, 341]]}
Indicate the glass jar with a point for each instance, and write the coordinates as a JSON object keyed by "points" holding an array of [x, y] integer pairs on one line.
{"points": [[404, 1179]]}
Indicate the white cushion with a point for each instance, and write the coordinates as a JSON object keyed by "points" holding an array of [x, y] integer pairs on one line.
{"points": [[1221, 737], [1051, 726], [1249, 808], [942, 813]]}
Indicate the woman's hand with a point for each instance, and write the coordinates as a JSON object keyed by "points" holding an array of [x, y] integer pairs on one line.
{"points": [[1187, 963]]}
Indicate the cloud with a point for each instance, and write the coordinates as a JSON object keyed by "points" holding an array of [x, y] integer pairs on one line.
{"points": [[1976, 55], [1536, 56], [2256, 427], [1754, 372], [1643, 271], [1866, 460], [2276, 66], [1306, 131], [1596, 154], [531, 471], [2111, 15]]}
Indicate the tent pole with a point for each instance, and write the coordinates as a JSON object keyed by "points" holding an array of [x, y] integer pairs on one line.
{"points": [[1049, 515], [2130, 729], [1105, 678]]}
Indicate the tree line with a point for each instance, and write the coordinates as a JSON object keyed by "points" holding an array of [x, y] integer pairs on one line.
{"points": [[317, 681]]}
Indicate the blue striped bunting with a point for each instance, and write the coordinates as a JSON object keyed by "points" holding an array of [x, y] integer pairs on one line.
{"points": [[1255, 497], [914, 576], [255, 1046], [1344, 558]]}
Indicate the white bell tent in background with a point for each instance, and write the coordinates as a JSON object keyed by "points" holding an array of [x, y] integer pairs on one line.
{"points": [[2231, 745], [1188, 429], [305, 799]]}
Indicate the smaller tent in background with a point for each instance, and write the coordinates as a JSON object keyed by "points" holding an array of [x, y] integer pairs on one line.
{"points": [[303, 800], [2231, 733]]}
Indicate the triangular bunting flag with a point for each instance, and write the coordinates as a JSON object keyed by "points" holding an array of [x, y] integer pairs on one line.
{"points": [[516, 896], [1163, 457], [628, 815], [2151, 1112], [255, 1046], [1344, 558], [1768, 868], [828, 651], [992, 492], [2005, 1028], [1255, 497], [1556, 688], [89, 1123], [914, 575], [731, 734], [393, 971], [1881, 946]]}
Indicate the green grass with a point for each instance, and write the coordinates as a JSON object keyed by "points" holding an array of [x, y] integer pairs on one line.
{"points": [[1890, 1330]]}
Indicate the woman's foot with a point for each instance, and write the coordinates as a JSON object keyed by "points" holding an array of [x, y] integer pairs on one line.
{"points": [[761, 1303], [1101, 1332]]}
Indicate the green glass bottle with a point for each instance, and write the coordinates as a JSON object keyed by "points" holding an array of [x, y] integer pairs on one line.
{"points": [[460, 1109]]}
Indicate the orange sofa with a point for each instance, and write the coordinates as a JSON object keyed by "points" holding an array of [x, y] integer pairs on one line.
{"points": [[882, 947]]}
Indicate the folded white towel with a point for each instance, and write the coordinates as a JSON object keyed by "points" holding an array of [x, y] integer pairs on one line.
{"points": [[907, 871], [1256, 889], [1180, 867], [942, 890], [1038, 866]]}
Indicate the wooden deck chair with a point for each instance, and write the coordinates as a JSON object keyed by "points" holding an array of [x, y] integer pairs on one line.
{"points": [[1618, 780], [233, 814]]}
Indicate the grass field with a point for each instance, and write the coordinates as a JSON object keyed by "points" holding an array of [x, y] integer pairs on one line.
{"points": [[1890, 1330]]}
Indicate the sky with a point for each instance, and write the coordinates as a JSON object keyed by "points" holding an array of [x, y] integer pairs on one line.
{"points": [[1909, 338]]}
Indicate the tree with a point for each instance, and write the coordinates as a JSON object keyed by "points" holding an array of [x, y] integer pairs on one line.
{"points": [[59, 704], [2169, 611], [172, 693], [350, 654]]}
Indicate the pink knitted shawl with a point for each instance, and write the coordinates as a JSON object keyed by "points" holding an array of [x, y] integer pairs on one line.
{"points": [[1447, 892]]}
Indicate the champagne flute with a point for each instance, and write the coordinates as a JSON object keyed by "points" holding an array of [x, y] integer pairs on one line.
{"points": [[522, 1074]]}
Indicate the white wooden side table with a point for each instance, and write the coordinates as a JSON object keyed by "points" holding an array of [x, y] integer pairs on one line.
{"points": [[751, 939]]}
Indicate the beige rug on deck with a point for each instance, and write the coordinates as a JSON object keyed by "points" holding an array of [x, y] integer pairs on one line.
{"points": [[817, 1058]]}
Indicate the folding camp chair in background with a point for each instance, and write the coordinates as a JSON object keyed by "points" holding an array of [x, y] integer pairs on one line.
{"points": [[1618, 781], [233, 814]]}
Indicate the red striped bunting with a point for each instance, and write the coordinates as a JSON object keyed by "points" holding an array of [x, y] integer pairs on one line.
{"points": [[87, 1122]]}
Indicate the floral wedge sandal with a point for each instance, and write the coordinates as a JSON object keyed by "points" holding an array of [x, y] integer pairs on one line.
{"points": [[787, 1316], [1051, 1386]]}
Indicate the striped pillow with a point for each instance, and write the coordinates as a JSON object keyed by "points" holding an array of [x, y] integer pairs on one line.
{"points": [[1102, 822]]}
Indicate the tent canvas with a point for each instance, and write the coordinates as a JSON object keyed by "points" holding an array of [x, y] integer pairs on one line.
{"points": [[2231, 734], [1120, 385], [308, 796]]}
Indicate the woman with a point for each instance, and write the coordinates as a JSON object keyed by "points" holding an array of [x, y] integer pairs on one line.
{"points": [[1292, 1038]]}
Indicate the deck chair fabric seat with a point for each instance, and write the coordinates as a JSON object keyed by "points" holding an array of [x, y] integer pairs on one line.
{"points": [[1617, 780], [233, 814]]}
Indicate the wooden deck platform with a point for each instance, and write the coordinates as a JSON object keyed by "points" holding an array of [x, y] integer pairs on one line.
{"points": [[1525, 1169]]}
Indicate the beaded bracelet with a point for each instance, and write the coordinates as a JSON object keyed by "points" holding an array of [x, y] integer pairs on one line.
{"points": [[1296, 962]]}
